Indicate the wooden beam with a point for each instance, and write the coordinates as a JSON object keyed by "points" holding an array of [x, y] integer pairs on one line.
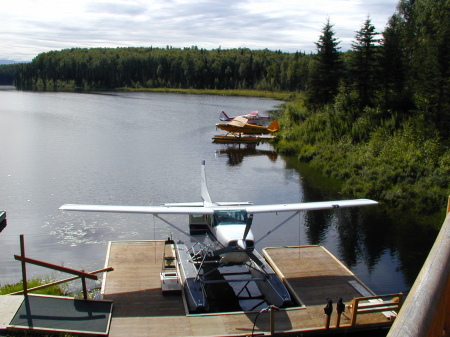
{"points": [[61, 281], [56, 267], [24, 268]]}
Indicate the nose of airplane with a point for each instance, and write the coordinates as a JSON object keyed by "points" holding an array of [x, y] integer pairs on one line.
{"points": [[241, 244]]}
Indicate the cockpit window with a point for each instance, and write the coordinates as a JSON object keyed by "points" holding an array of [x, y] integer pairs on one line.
{"points": [[230, 217]]}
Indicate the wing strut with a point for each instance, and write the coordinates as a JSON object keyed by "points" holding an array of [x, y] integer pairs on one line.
{"points": [[281, 224]]}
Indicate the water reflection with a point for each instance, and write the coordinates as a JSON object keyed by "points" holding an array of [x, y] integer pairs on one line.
{"points": [[237, 152], [380, 246]]}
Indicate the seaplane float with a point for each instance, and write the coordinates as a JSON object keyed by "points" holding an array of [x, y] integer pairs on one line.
{"points": [[253, 117], [221, 237]]}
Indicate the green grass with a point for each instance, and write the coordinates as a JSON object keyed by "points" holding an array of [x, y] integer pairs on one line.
{"points": [[56, 290]]}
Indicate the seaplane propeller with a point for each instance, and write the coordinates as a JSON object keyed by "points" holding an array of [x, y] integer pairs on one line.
{"points": [[247, 226], [241, 245]]}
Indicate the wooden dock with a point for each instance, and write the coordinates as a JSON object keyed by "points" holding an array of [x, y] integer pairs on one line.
{"points": [[311, 273]]}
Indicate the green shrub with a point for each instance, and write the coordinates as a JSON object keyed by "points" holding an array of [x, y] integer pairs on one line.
{"points": [[400, 162]]}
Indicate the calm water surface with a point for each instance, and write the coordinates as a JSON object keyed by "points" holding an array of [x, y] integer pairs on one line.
{"points": [[146, 148]]}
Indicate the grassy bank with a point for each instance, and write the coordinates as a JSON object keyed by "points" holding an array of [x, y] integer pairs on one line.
{"points": [[280, 96], [61, 289], [56, 290]]}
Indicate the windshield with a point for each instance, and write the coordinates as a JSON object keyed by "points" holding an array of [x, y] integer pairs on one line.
{"points": [[231, 217]]}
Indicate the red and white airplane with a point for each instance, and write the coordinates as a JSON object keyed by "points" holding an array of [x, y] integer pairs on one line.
{"points": [[253, 117]]}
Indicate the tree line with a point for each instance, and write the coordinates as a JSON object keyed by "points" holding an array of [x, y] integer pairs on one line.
{"points": [[166, 67], [8, 73]]}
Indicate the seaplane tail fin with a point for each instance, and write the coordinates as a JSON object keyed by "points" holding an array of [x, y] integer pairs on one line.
{"points": [[274, 126], [204, 188], [223, 116]]}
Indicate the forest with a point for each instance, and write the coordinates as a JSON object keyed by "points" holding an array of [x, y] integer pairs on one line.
{"points": [[376, 117], [169, 67]]}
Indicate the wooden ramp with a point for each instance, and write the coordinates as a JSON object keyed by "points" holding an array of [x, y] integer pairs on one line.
{"points": [[311, 272], [55, 314]]}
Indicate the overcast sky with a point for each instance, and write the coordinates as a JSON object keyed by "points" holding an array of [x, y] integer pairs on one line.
{"points": [[30, 27]]}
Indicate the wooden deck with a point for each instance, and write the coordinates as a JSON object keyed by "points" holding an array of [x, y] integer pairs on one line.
{"points": [[140, 309]]}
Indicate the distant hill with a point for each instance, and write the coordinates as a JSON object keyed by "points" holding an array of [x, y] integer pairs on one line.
{"points": [[8, 62]]}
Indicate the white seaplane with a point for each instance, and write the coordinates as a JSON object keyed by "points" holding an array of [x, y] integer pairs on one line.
{"points": [[231, 241], [253, 117]]}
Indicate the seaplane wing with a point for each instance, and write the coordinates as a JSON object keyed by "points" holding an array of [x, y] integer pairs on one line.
{"points": [[201, 204], [308, 206], [138, 209], [199, 208], [207, 206]]}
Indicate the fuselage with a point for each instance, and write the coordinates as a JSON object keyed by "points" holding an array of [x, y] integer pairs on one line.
{"points": [[227, 229]]}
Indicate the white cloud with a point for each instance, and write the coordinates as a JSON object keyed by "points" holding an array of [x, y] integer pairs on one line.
{"points": [[30, 27]]}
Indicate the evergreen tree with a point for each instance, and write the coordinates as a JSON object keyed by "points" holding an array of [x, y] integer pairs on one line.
{"points": [[365, 65], [393, 61], [327, 67], [430, 62]]}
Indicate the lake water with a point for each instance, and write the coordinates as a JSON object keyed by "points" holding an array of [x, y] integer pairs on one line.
{"points": [[146, 148]]}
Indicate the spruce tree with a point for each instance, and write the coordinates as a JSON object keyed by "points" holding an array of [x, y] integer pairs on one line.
{"points": [[327, 68], [365, 65]]}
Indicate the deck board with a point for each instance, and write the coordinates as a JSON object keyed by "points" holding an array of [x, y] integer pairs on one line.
{"points": [[141, 309]]}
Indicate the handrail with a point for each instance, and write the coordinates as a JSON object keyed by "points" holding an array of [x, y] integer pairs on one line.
{"points": [[60, 281], [374, 304], [426, 311], [80, 273]]}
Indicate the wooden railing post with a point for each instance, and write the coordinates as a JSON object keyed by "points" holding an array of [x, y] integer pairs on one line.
{"points": [[83, 281], [354, 311], [24, 268]]}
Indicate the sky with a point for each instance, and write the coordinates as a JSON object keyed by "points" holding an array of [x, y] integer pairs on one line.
{"points": [[31, 27]]}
